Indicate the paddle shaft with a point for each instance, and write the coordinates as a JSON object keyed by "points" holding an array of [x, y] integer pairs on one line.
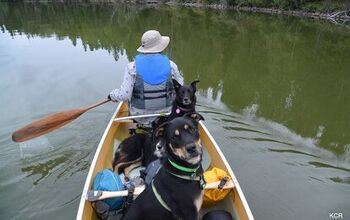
{"points": [[50, 123], [100, 195]]}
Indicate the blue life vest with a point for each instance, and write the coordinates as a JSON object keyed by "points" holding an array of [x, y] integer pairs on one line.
{"points": [[153, 89], [106, 180]]}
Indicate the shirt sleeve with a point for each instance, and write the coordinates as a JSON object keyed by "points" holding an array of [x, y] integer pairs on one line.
{"points": [[125, 90], [176, 74]]}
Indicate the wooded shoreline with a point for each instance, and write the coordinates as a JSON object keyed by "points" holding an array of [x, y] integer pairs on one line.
{"points": [[338, 17], [336, 12]]}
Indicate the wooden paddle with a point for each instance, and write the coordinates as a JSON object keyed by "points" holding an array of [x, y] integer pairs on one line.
{"points": [[50, 123]]}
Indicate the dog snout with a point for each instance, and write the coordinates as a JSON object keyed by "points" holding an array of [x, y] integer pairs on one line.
{"points": [[191, 148], [186, 100], [159, 145]]}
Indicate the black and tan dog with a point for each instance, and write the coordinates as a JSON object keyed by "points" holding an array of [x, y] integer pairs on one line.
{"points": [[133, 152], [176, 191], [141, 149]]}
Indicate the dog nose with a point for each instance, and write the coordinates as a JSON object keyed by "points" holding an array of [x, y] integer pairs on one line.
{"points": [[159, 145], [191, 149]]}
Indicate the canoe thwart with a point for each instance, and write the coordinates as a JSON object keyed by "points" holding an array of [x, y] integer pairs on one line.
{"points": [[140, 116], [101, 195], [93, 195], [214, 185]]}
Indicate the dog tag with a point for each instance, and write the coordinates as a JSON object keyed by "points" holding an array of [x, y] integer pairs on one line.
{"points": [[202, 182], [193, 175]]}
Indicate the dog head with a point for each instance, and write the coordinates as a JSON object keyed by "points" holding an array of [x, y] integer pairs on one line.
{"points": [[185, 95], [181, 139]]}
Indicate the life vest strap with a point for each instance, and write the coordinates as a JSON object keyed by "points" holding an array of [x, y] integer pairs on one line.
{"points": [[147, 97]]}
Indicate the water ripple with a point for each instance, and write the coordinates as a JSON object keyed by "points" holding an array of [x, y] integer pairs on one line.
{"points": [[291, 151], [79, 163], [324, 165], [345, 180], [244, 129], [75, 198]]}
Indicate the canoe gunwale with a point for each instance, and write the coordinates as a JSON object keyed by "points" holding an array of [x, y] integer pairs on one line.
{"points": [[230, 171], [93, 164]]}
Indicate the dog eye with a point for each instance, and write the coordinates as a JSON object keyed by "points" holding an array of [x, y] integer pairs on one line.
{"points": [[191, 130]]}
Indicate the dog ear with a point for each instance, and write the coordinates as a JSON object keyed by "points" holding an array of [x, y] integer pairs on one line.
{"points": [[193, 84], [159, 131], [177, 85], [196, 117]]}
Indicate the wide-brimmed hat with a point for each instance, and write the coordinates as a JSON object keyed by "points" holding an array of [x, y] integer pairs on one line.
{"points": [[153, 42]]}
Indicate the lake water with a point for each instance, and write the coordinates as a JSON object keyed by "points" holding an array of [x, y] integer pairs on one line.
{"points": [[275, 92]]}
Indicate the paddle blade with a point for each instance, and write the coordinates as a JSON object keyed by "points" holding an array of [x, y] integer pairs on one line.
{"points": [[46, 125]]}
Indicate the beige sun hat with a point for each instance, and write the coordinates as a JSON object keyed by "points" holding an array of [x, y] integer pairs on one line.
{"points": [[153, 42]]}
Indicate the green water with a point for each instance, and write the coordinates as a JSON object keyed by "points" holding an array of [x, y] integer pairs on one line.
{"points": [[275, 92]]}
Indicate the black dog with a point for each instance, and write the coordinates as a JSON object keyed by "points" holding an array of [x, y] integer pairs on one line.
{"points": [[185, 102], [176, 191]]}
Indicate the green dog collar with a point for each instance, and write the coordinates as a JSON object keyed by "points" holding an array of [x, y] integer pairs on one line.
{"points": [[182, 168]]}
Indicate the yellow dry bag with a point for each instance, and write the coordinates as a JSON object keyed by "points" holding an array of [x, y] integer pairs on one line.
{"points": [[212, 196]]}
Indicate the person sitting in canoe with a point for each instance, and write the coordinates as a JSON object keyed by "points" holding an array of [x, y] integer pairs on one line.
{"points": [[147, 84]]}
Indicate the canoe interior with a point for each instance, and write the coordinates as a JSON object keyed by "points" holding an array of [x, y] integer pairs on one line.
{"points": [[115, 132]]}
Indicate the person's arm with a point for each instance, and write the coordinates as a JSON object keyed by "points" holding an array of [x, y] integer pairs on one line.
{"points": [[125, 91], [176, 74]]}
